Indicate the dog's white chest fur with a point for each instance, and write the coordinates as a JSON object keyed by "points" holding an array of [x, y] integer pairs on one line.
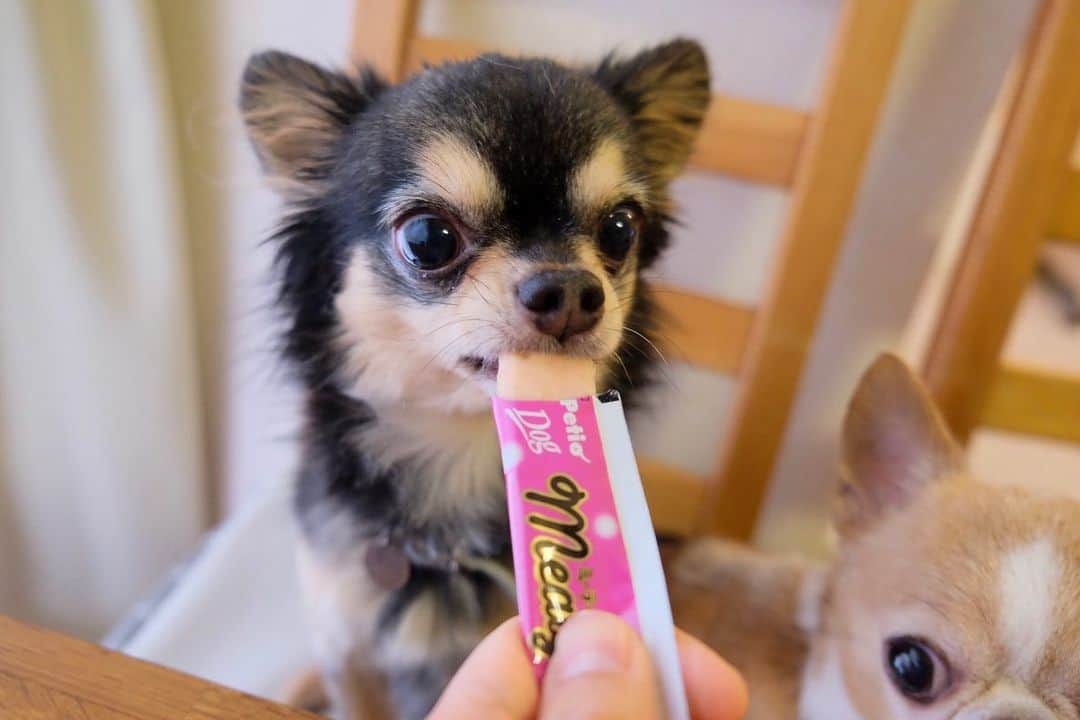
{"points": [[452, 460]]}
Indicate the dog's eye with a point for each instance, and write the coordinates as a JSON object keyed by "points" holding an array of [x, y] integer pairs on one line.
{"points": [[427, 242], [916, 669], [618, 231]]}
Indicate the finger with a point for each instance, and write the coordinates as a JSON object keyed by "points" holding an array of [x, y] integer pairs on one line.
{"points": [[715, 690], [496, 681], [600, 669]]}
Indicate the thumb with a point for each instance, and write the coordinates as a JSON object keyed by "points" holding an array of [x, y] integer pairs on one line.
{"points": [[496, 682], [600, 669]]}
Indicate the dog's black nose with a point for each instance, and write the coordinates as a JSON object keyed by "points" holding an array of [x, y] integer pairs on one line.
{"points": [[562, 303]]}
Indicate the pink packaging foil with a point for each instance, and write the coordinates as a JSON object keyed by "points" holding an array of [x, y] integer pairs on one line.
{"points": [[580, 529]]}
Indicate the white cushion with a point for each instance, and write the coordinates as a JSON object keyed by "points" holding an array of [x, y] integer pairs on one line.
{"points": [[234, 615]]}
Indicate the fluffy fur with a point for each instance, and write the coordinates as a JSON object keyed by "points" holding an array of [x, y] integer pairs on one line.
{"points": [[986, 577], [524, 159]]}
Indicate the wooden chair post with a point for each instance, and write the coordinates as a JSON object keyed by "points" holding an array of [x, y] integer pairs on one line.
{"points": [[382, 34], [822, 197], [1016, 212]]}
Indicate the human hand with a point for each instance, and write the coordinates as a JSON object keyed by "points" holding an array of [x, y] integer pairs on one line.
{"points": [[600, 669]]}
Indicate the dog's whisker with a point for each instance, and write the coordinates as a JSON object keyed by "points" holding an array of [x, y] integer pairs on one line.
{"points": [[491, 61], [480, 283], [657, 350], [628, 342], [446, 347], [626, 370]]}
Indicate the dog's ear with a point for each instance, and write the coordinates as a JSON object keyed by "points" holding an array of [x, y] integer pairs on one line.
{"points": [[296, 114], [895, 444], [665, 90]]}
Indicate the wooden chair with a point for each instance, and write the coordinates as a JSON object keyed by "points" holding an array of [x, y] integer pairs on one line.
{"points": [[1032, 193], [818, 157]]}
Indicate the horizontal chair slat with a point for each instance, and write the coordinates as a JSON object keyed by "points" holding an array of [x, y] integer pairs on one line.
{"points": [[703, 331], [1035, 402], [753, 141], [1065, 221], [431, 50]]}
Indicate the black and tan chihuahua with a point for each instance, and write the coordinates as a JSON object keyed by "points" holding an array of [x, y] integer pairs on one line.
{"points": [[500, 204]]}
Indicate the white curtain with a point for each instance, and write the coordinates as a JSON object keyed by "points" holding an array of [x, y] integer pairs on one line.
{"points": [[104, 469]]}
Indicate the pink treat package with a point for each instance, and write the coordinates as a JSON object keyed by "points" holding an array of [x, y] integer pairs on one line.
{"points": [[580, 526]]}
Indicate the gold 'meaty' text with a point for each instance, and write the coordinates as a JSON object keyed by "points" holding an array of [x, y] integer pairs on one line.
{"points": [[563, 526]]}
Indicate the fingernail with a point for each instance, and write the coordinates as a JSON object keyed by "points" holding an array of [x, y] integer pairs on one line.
{"points": [[591, 642]]}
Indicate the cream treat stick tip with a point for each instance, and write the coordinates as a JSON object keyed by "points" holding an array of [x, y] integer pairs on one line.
{"points": [[545, 377]]}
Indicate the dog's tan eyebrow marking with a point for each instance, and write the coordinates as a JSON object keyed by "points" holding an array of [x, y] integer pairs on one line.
{"points": [[602, 180], [456, 175]]}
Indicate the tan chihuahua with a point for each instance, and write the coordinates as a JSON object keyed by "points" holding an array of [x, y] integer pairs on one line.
{"points": [[949, 598]]}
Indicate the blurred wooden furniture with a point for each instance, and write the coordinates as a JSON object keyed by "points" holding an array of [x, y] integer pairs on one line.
{"points": [[818, 157], [1032, 194], [46, 675]]}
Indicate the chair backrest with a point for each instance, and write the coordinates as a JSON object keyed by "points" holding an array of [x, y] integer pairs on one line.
{"points": [[1032, 194], [818, 157]]}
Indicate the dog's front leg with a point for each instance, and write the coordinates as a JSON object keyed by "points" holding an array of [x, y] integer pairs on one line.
{"points": [[341, 605], [414, 691], [356, 692], [423, 643]]}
